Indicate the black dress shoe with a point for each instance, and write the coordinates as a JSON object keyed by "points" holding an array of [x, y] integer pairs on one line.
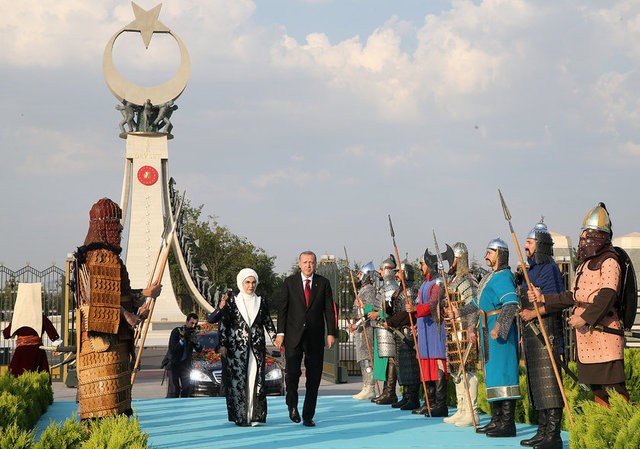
{"points": [[308, 423], [294, 415]]}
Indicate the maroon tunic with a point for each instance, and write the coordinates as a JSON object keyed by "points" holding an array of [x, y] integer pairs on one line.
{"points": [[28, 356]]}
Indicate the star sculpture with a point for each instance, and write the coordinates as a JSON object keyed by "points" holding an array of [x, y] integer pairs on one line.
{"points": [[147, 23]]}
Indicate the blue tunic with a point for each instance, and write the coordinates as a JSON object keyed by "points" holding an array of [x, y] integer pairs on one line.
{"points": [[432, 339], [501, 370]]}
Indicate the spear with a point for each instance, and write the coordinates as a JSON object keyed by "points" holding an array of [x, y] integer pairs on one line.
{"points": [[455, 330], [157, 273], [413, 329], [507, 216], [364, 329]]}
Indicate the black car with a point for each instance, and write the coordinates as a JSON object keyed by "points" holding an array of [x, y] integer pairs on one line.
{"points": [[206, 369]]}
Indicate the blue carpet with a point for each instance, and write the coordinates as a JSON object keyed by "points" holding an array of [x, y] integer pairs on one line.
{"points": [[341, 423]]}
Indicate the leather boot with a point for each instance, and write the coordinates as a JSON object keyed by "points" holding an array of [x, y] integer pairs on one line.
{"points": [[506, 427], [429, 397], [439, 408], [414, 400], [542, 424], [402, 400], [389, 396], [496, 411], [551, 439], [470, 413], [375, 400]]}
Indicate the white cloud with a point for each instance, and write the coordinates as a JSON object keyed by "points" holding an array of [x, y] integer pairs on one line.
{"points": [[52, 152]]}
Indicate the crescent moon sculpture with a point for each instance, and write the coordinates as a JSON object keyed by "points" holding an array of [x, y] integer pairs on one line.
{"points": [[147, 24]]}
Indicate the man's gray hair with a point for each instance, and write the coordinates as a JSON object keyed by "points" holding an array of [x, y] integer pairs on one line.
{"points": [[307, 253]]}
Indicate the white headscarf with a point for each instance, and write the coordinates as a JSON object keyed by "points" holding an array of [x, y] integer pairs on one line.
{"points": [[248, 305]]}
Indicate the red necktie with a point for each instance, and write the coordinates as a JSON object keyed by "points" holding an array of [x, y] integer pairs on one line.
{"points": [[307, 291]]}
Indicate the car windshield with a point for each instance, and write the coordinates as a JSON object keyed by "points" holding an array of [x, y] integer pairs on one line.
{"points": [[208, 340]]}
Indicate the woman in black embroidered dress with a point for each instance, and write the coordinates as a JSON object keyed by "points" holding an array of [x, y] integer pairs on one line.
{"points": [[242, 342]]}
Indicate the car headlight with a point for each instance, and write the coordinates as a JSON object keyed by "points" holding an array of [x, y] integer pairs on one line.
{"points": [[199, 376], [274, 374]]}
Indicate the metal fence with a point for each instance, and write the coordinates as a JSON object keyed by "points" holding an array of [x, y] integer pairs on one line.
{"points": [[54, 305]]}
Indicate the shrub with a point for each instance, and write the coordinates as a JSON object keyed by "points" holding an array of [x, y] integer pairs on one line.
{"points": [[598, 426], [13, 437], [116, 432], [68, 435]]}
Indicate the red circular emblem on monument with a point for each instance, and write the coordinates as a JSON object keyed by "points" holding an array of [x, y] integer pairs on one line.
{"points": [[147, 175]]}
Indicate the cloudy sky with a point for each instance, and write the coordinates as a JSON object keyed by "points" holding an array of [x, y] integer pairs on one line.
{"points": [[306, 122]]}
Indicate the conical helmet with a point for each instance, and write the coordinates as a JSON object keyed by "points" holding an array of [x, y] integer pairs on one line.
{"points": [[597, 218], [460, 249], [540, 227]]}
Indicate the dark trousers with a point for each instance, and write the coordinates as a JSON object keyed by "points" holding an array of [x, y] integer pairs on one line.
{"points": [[179, 381], [313, 362]]}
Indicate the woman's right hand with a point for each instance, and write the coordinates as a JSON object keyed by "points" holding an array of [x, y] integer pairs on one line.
{"points": [[222, 350]]}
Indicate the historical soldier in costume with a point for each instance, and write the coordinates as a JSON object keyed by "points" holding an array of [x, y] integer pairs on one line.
{"points": [[593, 298], [463, 288], [106, 313], [497, 306], [363, 331], [542, 386], [28, 323], [432, 350], [407, 364], [384, 363]]}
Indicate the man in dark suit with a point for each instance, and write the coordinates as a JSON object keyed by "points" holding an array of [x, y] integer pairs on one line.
{"points": [[182, 342], [306, 305]]}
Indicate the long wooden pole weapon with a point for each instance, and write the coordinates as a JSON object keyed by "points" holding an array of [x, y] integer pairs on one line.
{"points": [[155, 279], [364, 329], [455, 332], [507, 216], [408, 301]]}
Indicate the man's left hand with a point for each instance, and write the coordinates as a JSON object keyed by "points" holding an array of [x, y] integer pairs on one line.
{"points": [[495, 332], [330, 341], [153, 291], [576, 321]]}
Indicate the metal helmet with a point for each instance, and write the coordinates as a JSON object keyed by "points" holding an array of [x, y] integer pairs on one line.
{"points": [[460, 250], [544, 243], [389, 263], [498, 244], [368, 271], [502, 250], [461, 253], [408, 271], [597, 218]]}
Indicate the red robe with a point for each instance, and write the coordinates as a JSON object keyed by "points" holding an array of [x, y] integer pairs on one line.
{"points": [[28, 356]]}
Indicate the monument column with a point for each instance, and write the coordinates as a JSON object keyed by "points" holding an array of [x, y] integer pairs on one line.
{"points": [[146, 126]]}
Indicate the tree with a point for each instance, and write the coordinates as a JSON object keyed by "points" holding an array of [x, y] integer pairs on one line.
{"points": [[224, 254]]}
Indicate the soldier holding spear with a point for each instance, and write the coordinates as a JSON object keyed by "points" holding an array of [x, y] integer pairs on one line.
{"points": [[543, 390], [366, 295], [497, 306], [594, 296]]}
